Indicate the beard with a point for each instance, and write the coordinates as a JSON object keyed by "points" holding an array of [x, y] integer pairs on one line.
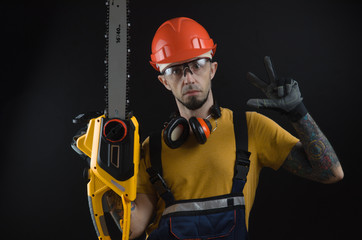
{"points": [[193, 103]]}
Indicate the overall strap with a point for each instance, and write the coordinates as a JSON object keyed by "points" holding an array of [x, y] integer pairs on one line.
{"points": [[242, 161], [155, 171]]}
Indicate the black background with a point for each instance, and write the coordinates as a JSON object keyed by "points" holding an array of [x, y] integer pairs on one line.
{"points": [[52, 69]]}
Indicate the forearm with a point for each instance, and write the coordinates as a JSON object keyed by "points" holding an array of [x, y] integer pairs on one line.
{"points": [[141, 212], [324, 165]]}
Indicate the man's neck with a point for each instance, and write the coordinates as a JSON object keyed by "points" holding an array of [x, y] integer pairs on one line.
{"points": [[202, 112]]}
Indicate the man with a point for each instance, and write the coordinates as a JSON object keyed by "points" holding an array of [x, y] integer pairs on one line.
{"points": [[199, 173]]}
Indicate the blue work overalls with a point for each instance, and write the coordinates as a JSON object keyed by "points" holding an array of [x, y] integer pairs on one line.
{"points": [[219, 217]]}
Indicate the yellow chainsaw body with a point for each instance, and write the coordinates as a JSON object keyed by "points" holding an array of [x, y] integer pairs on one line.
{"points": [[101, 181]]}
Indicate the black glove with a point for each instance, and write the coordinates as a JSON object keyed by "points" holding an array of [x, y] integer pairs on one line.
{"points": [[283, 94]]}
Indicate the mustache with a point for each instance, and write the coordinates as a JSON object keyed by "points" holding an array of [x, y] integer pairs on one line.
{"points": [[190, 88]]}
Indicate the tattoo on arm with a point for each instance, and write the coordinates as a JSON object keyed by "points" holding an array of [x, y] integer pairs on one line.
{"points": [[315, 158]]}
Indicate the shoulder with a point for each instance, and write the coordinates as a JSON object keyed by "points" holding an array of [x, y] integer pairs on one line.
{"points": [[258, 121], [253, 119], [146, 143], [256, 117], [145, 152], [151, 147], [226, 113], [251, 116]]}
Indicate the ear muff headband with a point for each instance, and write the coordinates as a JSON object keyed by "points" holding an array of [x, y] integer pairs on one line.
{"points": [[177, 124]]}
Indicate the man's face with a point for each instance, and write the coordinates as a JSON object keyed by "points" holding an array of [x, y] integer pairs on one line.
{"points": [[190, 82]]}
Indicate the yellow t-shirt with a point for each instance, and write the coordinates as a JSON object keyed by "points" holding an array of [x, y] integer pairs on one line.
{"points": [[206, 170]]}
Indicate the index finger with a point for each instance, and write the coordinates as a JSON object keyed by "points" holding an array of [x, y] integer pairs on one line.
{"points": [[257, 82], [269, 68]]}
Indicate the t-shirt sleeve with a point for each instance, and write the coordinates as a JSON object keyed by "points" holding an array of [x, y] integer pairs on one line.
{"points": [[271, 141], [143, 182]]}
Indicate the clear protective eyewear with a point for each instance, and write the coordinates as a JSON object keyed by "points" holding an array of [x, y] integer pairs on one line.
{"points": [[176, 72]]}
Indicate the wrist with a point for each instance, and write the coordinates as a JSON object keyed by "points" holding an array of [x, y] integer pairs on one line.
{"points": [[298, 112]]}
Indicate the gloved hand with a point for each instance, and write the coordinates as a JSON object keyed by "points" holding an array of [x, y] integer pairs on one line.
{"points": [[283, 93]]}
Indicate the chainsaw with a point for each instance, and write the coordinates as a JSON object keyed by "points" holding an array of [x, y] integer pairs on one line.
{"points": [[111, 140]]}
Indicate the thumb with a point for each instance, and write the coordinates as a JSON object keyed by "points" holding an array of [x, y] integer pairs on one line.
{"points": [[262, 103]]}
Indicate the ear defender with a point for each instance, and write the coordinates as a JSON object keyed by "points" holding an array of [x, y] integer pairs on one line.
{"points": [[176, 132], [201, 128]]}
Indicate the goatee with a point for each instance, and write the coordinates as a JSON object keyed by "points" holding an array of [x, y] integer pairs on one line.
{"points": [[194, 103]]}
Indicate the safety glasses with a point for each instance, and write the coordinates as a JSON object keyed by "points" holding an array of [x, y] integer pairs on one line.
{"points": [[176, 72]]}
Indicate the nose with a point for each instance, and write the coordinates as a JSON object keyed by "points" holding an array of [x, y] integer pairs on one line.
{"points": [[188, 76], [185, 70]]}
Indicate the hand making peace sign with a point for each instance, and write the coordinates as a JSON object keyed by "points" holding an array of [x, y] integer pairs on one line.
{"points": [[283, 93]]}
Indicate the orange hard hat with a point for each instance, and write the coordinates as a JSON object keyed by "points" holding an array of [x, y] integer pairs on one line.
{"points": [[180, 39]]}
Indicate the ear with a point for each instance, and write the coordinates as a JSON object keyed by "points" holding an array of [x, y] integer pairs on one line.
{"points": [[164, 82], [213, 69]]}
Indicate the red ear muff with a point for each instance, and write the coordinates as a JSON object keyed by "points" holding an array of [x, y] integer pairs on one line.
{"points": [[176, 132], [201, 128]]}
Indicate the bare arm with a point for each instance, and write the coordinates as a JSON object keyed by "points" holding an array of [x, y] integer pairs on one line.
{"points": [[142, 210], [145, 205], [313, 157]]}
